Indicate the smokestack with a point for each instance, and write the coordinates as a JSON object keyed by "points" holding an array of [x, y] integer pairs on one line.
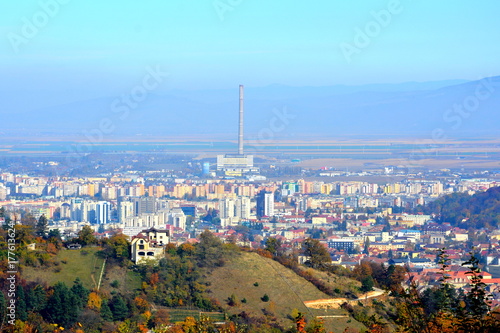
{"points": [[240, 133]]}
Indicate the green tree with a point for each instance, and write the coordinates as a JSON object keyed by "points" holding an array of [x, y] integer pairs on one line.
{"points": [[36, 298], [441, 309], [366, 246], [232, 300], [209, 251], [273, 245], [3, 303], [41, 225], [21, 311], [478, 300], [6, 217], [117, 247], [318, 253], [105, 312], [80, 292], [118, 308], [54, 234], [86, 236], [62, 306], [367, 284]]}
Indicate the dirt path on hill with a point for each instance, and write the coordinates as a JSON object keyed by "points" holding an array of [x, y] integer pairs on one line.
{"points": [[335, 303]]}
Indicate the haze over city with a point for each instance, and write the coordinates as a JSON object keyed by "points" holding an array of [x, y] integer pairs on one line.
{"points": [[69, 65], [248, 166]]}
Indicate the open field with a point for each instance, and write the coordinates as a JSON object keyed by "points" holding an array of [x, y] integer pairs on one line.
{"points": [[126, 279], [249, 277], [313, 152], [442, 163], [209, 147], [71, 264]]}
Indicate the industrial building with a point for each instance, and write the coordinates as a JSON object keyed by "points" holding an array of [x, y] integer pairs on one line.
{"points": [[237, 165]]}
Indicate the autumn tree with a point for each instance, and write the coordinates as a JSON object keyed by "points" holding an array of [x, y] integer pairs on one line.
{"points": [[94, 301], [161, 317], [117, 247], [300, 322], [141, 304], [316, 326], [29, 220], [362, 270], [186, 250]]}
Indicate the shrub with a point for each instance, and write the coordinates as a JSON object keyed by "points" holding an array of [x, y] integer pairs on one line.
{"points": [[265, 298], [231, 300]]}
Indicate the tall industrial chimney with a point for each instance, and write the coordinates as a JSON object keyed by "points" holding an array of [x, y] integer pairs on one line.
{"points": [[240, 133]]}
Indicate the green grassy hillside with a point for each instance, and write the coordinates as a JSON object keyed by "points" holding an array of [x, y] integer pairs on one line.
{"points": [[68, 265], [85, 264], [249, 277]]}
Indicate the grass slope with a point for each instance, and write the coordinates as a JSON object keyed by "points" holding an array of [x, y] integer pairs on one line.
{"points": [[84, 264], [69, 264], [286, 291]]}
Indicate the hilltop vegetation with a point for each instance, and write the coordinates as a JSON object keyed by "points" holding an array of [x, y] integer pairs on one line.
{"points": [[481, 210], [61, 287], [252, 286], [195, 285]]}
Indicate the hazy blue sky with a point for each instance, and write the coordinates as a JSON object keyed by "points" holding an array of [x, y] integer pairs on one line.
{"points": [[106, 45]]}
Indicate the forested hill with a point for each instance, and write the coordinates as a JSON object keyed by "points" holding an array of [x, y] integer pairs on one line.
{"points": [[481, 210]]}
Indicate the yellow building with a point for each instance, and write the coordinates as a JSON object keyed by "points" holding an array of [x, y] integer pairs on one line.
{"points": [[149, 244]]}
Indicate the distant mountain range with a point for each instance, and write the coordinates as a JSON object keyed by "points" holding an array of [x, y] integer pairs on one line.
{"points": [[456, 109]]}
